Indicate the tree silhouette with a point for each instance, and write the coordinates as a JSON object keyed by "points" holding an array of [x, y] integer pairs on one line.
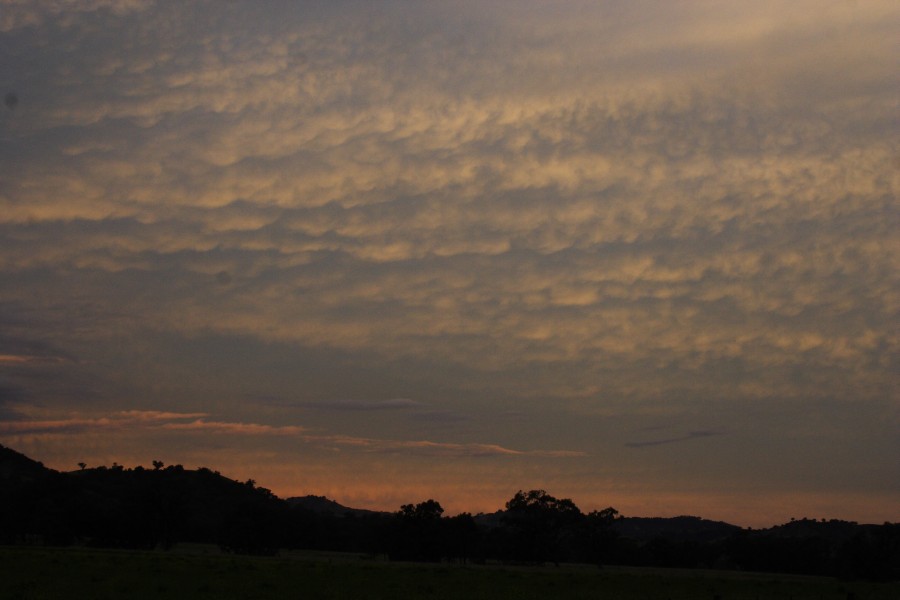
{"points": [[541, 528], [82, 465], [599, 535], [463, 539], [424, 511], [157, 465], [418, 532]]}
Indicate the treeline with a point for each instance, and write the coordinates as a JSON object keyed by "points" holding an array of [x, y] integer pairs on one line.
{"points": [[157, 507], [535, 528]]}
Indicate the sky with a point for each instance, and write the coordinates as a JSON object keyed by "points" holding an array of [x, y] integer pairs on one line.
{"points": [[640, 254]]}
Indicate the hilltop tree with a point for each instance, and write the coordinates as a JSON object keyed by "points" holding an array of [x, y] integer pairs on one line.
{"points": [[424, 511], [463, 539], [418, 532], [541, 527], [599, 535]]}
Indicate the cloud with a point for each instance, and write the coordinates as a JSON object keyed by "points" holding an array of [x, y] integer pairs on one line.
{"points": [[604, 207], [227, 428], [10, 396], [19, 14], [25, 359], [123, 420], [693, 435], [361, 405], [430, 448], [135, 421], [441, 416], [19, 347]]}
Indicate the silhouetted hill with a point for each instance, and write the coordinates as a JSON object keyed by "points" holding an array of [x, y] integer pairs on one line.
{"points": [[323, 505], [676, 529], [644, 529], [17, 466], [123, 507], [833, 530], [173, 503]]}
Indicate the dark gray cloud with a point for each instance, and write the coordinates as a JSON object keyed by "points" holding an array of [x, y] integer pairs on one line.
{"points": [[360, 405], [10, 396], [693, 435], [441, 416]]}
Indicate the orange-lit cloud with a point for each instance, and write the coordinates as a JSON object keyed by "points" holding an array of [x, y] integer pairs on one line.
{"points": [[124, 420], [201, 425], [187, 423], [25, 359]]}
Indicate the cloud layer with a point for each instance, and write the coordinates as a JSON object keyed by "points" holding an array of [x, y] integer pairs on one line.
{"points": [[634, 210]]}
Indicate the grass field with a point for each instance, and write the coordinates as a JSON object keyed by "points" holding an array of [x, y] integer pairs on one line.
{"points": [[49, 573]]}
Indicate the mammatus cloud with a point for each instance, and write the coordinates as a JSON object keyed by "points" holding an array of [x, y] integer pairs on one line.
{"points": [[611, 208], [695, 223]]}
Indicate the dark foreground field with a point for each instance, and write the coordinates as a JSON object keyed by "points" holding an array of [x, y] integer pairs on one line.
{"points": [[32, 573]]}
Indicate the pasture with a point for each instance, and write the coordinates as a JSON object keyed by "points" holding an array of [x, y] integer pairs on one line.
{"points": [[198, 573]]}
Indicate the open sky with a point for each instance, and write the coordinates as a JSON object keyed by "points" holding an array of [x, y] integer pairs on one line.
{"points": [[639, 253]]}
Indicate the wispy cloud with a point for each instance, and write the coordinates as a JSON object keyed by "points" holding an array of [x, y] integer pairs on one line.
{"points": [[693, 435], [439, 448], [223, 427], [123, 420], [25, 359], [135, 421], [441, 416], [360, 405]]}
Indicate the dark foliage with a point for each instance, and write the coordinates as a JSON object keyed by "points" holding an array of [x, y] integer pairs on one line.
{"points": [[417, 532], [539, 528]]}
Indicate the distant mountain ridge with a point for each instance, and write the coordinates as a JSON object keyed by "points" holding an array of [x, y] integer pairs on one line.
{"points": [[321, 504], [17, 467], [683, 528]]}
